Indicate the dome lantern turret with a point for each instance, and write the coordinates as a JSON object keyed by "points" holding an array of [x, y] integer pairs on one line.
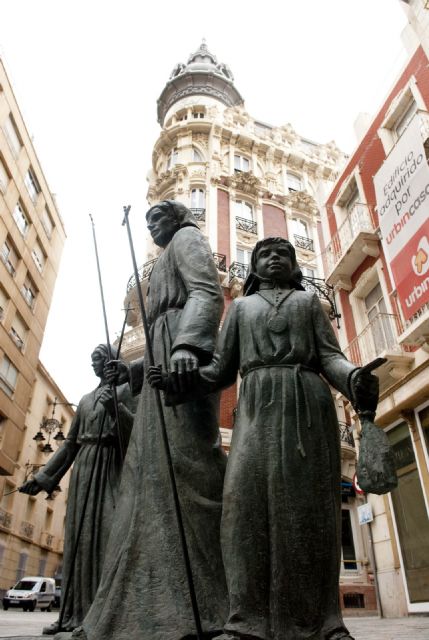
{"points": [[202, 75]]}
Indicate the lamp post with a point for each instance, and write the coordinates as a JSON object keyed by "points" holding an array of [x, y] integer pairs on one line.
{"points": [[50, 426]]}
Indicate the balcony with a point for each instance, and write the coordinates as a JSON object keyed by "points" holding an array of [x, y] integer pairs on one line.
{"points": [[416, 330], [238, 270], [246, 225], [46, 539], [380, 339], [133, 343], [5, 519], [302, 242], [346, 434], [220, 261], [325, 293], [143, 273], [199, 214], [27, 529], [355, 239]]}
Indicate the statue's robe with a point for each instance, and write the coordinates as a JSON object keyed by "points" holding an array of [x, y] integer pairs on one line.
{"points": [[79, 449], [143, 591], [281, 518]]}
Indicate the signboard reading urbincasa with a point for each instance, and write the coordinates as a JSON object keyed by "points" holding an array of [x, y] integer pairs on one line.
{"points": [[402, 192]]}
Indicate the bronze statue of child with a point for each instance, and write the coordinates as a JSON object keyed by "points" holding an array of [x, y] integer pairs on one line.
{"points": [[280, 528]]}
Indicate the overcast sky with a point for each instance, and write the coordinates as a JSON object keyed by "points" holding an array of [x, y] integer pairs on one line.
{"points": [[87, 75]]}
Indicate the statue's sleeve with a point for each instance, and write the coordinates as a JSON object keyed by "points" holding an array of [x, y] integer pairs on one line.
{"points": [[334, 365], [199, 321], [54, 470], [127, 406], [223, 369], [136, 372]]}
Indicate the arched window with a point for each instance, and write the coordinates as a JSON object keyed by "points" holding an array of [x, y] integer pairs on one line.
{"points": [[198, 199], [172, 159], [196, 155], [294, 182], [243, 209], [241, 163]]}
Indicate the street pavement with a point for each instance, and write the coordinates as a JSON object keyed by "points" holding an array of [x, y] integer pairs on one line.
{"points": [[18, 625]]}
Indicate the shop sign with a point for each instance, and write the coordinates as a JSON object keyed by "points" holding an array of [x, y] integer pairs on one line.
{"points": [[365, 513]]}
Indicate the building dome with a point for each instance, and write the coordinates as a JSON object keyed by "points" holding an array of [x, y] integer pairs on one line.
{"points": [[202, 75]]}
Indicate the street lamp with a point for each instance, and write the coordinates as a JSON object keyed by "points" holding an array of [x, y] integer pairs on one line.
{"points": [[50, 426]]}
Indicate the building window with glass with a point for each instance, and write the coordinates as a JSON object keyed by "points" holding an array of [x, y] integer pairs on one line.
{"points": [[8, 376], [4, 176], [38, 256], [301, 235], [9, 257], [172, 159], [241, 164], [294, 182], [29, 291], [21, 219], [3, 303], [47, 222], [32, 185], [12, 136], [18, 332], [196, 155]]}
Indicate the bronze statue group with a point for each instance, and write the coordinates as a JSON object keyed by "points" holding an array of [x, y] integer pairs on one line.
{"points": [[262, 527]]}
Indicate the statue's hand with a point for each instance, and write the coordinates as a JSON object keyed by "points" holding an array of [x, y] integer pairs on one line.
{"points": [[116, 372], [365, 391], [183, 371], [32, 488], [156, 378], [106, 399]]}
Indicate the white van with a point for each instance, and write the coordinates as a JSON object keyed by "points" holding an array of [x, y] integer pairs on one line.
{"points": [[31, 592]]}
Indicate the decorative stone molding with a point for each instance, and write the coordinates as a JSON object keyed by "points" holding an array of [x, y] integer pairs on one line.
{"points": [[302, 201], [244, 181]]}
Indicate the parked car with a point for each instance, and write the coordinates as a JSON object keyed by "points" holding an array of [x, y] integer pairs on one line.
{"points": [[31, 592]]}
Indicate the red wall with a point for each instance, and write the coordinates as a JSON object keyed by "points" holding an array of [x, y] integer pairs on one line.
{"points": [[223, 225], [274, 221]]}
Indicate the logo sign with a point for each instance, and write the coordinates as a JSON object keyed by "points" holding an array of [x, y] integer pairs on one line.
{"points": [[356, 485], [365, 513], [402, 192]]}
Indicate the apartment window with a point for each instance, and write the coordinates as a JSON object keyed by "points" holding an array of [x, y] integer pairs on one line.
{"points": [[405, 118], [12, 135], [379, 320], [3, 303], [8, 376], [4, 176], [241, 163], [32, 185], [309, 272], [9, 257], [172, 159], [300, 228], [42, 568], [243, 209], [198, 199], [20, 218], [47, 222], [198, 114], [196, 155], [29, 291], [18, 331], [244, 256], [38, 256], [294, 182]]}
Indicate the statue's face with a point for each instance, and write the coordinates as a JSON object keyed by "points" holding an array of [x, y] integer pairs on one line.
{"points": [[162, 226], [274, 262], [98, 360]]}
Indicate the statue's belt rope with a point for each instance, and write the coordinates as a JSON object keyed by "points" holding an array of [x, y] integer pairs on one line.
{"points": [[301, 397]]}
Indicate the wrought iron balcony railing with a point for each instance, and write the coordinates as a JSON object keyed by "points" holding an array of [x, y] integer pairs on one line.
{"points": [[238, 270], [220, 261], [199, 214], [27, 529], [144, 273], [5, 519], [346, 434], [358, 220], [246, 225], [325, 292], [302, 242], [380, 334]]}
